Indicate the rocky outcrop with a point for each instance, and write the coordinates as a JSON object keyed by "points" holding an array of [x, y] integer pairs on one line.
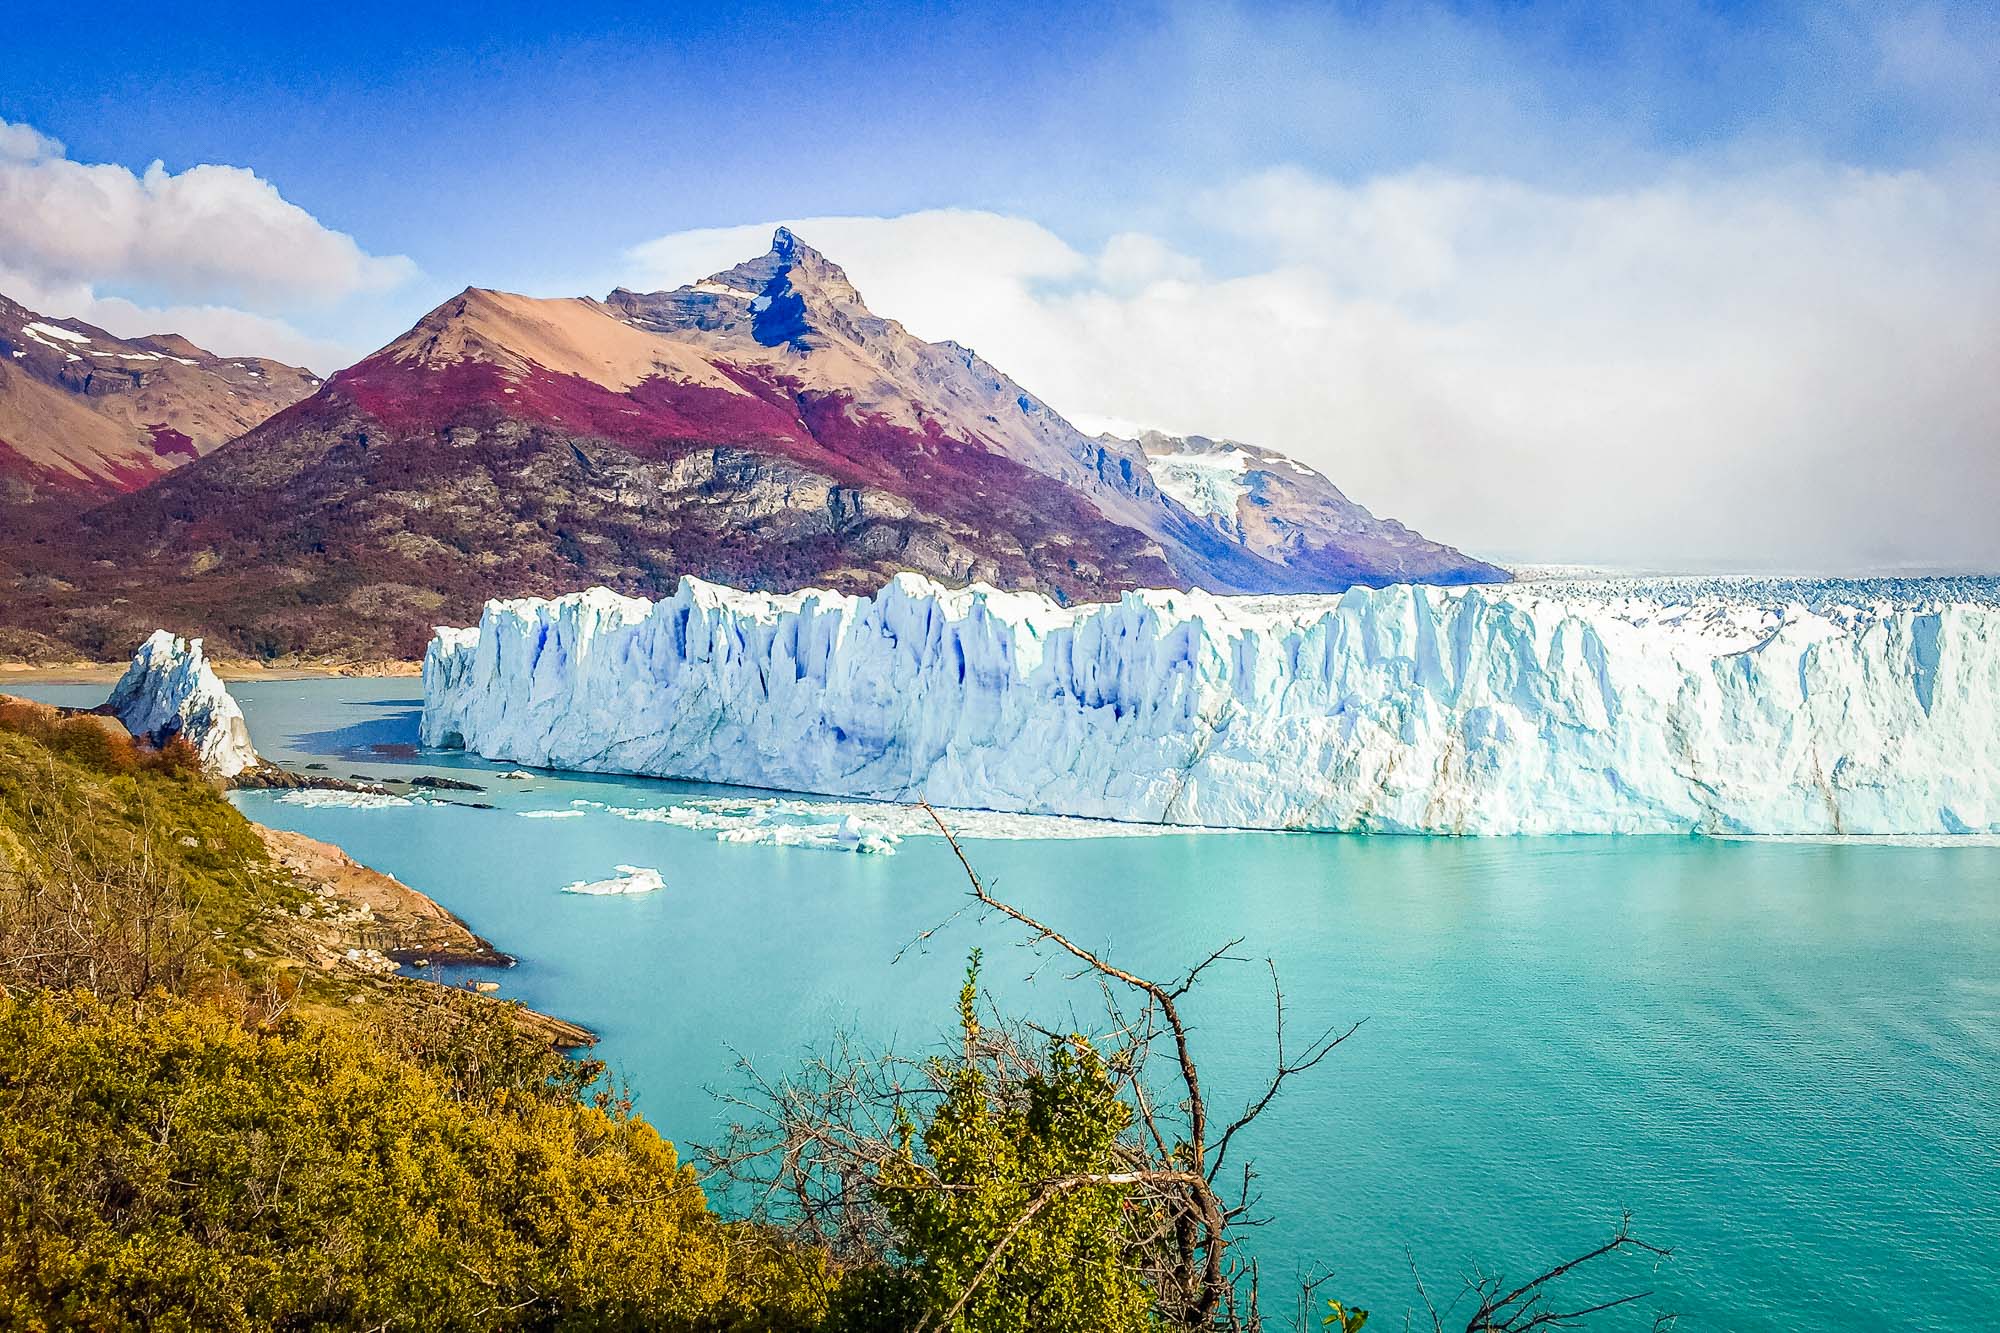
{"points": [[358, 921]]}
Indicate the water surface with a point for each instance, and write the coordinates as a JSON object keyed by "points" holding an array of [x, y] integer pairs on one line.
{"points": [[1784, 1059]]}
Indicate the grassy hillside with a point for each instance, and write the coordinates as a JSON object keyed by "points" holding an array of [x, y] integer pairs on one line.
{"points": [[197, 1132]]}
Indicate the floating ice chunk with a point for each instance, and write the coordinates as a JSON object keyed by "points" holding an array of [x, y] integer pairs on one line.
{"points": [[552, 814], [346, 800], [863, 826], [629, 879]]}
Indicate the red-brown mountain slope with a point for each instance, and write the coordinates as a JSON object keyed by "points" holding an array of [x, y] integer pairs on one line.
{"points": [[760, 428], [85, 416]]}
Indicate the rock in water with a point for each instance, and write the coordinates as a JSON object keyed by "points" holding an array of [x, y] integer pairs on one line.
{"points": [[1403, 709], [170, 690]]}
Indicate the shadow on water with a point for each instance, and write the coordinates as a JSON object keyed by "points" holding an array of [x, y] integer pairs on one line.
{"points": [[388, 730]]}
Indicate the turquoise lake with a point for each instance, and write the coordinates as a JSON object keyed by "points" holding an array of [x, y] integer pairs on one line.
{"points": [[1782, 1058]]}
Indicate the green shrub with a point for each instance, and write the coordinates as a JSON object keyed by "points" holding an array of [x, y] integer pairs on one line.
{"points": [[161, 1167], [989, 1181]]}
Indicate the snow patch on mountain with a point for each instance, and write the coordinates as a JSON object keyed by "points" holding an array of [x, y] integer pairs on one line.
{"points": [[170, 690], [1209, 483], [41, 332]]}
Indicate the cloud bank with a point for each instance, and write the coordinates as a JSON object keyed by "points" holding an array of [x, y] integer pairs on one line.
{"points": [[214, 252], [1780, 368]]}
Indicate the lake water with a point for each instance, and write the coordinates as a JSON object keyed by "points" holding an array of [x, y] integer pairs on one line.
{"points": [[1783, 1059]]}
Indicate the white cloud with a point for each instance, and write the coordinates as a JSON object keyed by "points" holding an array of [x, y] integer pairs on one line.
{"points": [[224, 330], [25, 143], [909, 268], [207, 234], [214, 252], [1784, 368]]}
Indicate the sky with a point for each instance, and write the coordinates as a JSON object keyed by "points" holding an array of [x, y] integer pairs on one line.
{"points": [[1701, 287]]}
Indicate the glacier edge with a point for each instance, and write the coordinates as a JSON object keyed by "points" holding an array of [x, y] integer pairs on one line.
{"points": [[1515, 709]]}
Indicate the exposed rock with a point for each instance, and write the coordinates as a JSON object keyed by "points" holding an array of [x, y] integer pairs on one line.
{"points": [[270, 777], [363, 922], [400, 922], [431, 783]]}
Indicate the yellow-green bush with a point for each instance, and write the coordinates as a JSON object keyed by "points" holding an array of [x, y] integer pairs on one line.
{"points": [[162, 1167]]}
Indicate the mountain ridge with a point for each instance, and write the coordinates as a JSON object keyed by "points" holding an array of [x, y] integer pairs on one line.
{"points": [[86, 415], [761, 427]]}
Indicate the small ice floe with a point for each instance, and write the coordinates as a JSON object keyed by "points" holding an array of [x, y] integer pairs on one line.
{"points": [[848, 833], [771, 821], [551, 814], [517, 775], [350, 800], [629, 879], [865, 826]]}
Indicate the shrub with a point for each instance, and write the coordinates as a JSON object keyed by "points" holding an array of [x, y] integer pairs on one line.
{"points": [[1001, 1233], [164, 1168]]}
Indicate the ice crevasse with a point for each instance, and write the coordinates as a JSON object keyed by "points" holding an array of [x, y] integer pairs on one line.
{"points": [[1403, 709]]}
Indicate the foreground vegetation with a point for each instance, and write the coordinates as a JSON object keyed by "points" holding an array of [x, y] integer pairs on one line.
{"points": [[198, 1132]]}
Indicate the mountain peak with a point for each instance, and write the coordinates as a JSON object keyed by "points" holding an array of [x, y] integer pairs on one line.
{"points": [[796, 265], [791, 296]]}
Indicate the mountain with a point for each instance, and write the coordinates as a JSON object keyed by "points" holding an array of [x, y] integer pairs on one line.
{"points": [[1293, 516], [760, 428], [85, 416]]}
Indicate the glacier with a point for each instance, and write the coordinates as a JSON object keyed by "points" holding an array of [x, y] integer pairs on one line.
{"points": [[1712, 707]]}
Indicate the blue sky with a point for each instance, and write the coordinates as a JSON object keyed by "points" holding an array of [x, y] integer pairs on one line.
{"points": [[516, 141], [1439, 189]]}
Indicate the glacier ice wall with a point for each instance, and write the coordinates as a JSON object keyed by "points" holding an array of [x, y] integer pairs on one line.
{"points": [[170, 690], [1404, 709]]}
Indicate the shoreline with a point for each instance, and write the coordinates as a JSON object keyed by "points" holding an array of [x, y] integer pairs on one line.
{"points": [[236, 672], [381, 926]]}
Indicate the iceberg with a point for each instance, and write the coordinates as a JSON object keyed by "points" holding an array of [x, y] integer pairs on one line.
{"points": [[629, 879], [1633, 706], [860, 826], [325, 799], [170, 690], [771, 821]]}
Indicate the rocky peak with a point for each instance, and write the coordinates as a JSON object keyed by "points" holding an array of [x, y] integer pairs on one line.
{"points": [[173, 344], [789, 296]]}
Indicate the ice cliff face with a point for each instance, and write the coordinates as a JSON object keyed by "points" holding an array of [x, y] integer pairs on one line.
{"points": [[1409, 709], [170, 690]]}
